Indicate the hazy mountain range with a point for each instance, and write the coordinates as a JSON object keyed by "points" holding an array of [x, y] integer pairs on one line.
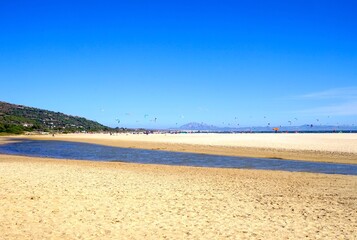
{"points": [[18, 119], [194, 126]]}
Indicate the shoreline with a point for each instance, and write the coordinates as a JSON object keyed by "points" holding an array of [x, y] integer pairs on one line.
{"points": [[343, 150]]}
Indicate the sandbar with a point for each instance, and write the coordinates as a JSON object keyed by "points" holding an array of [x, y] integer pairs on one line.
{"points": [[321, 147]]}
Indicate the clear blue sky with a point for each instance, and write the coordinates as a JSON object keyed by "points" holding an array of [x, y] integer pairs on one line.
{"points": [[218, 62]]}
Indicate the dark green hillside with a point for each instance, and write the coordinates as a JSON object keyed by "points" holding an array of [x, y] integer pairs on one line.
{"points": [[18, 118]]}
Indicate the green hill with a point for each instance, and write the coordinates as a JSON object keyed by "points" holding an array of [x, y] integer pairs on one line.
{"points": [[18, 119]]}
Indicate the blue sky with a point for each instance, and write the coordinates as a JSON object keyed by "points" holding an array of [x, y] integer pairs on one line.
{"points": [[218, 62]]}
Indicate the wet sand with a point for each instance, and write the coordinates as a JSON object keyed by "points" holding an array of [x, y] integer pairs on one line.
{"points": [[337, 148], [60, 199]]}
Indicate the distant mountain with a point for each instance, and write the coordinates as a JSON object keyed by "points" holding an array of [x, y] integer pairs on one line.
{"points": [[198, 126], [194, 126], [17, 118]]}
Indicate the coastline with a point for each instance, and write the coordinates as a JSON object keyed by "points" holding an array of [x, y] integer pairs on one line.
{"points": [[333, 148]]}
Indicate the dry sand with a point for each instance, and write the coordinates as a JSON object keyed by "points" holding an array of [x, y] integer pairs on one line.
{"points": [[59, 199], [66, 199], [338, 148]]}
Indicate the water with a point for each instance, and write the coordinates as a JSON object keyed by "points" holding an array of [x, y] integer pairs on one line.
{"points": [[85, 151]]}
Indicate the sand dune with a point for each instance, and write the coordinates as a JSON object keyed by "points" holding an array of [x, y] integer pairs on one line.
{"points": [[59, 199]]}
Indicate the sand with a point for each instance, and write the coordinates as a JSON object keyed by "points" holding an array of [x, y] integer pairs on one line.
{"points": [[337, 148], [58, 199], [67, 199]]}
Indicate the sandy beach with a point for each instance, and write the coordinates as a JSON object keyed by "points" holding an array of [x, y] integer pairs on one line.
{"points": [[59, 199], [66, 199]]}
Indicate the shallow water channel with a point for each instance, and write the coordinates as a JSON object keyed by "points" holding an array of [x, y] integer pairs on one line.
{"points": [[94, 152]]}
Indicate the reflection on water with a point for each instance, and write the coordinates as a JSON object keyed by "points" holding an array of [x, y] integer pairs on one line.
{"points": [[85, 151]]}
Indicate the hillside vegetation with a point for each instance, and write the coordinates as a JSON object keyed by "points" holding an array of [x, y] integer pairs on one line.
{"points": [[18, 119]]}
